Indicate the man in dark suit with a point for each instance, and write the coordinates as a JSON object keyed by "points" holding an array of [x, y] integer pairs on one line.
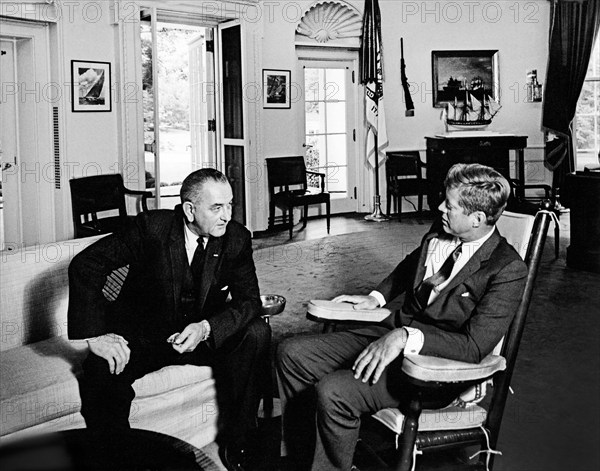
{"points": [[173, 308], [453, 297]]}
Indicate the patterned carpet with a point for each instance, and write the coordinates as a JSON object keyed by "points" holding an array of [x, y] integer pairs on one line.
{"points": [[326, 267], [557, 376]]}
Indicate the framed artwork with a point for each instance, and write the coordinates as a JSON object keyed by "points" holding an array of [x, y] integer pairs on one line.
{"points": [[91, 86], [276, 88], [456, 73]]}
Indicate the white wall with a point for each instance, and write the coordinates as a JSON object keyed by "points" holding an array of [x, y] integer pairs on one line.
{"points": [[518, 30], [93, 142]]}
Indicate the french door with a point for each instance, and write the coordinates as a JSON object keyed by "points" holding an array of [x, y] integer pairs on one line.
{"points": [[179, 101], [329, 128]]}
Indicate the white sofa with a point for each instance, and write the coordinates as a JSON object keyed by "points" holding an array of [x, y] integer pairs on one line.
{"points": [[39, 365]]}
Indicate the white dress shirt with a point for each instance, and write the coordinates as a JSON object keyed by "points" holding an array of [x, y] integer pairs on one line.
{"points": [[191, 243], [437, 253]]}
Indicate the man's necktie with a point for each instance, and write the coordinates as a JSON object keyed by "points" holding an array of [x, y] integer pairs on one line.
{"points": [[423, 291], [198, 261]]}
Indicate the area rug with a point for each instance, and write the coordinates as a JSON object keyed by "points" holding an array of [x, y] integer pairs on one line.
{"points": [[559, 359], [324, 268]]}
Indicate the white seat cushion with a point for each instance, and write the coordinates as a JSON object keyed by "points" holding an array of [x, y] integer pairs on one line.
{"points": [[39, 382], [450, 418]]}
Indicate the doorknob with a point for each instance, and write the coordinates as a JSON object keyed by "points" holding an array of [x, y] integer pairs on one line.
{"points": [[6, 166]]}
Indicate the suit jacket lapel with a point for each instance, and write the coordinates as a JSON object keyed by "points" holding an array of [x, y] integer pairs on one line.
{"points": [[420, 273], [481, 255], [178, 255], [211, 262]]}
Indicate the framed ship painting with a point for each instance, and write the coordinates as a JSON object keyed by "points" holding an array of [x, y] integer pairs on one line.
{"points": [[457, 74], [91, 86]]}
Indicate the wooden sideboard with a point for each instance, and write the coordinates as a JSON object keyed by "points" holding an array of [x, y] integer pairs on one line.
{"points": [[491, 150]]}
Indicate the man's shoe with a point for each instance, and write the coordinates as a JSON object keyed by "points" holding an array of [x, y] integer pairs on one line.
{"points": [[235, 458]]}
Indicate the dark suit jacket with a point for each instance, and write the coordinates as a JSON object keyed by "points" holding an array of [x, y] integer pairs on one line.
{"points": [[469, 316], [149, 305]]}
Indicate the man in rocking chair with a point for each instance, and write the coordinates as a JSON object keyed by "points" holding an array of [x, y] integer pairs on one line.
{"points": [[453, 297]]}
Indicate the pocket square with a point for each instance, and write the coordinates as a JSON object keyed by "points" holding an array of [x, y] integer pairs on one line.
{"points": [[224, 288], [465, 294]]}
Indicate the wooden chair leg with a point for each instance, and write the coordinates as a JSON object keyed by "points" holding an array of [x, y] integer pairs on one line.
{"points": [[271, 215], [291, 222], [556, 240], [328, 210], [399, 208], [409, 435], [305, 215], [388, 201]]}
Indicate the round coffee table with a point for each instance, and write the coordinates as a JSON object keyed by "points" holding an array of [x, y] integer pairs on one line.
{"points": [[83, 449]]}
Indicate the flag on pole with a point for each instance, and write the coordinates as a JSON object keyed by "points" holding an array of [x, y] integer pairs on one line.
{"points": [[372, 77], [375, 115]]}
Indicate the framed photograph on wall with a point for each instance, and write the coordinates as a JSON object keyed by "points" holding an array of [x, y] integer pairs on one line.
{"points": [[276, 88], [91, 86], [456, 73]]}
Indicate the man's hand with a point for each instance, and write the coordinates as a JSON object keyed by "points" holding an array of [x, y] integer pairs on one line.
{"points": [[188, 340], [360, 302], [113, 348], [374, 359]]}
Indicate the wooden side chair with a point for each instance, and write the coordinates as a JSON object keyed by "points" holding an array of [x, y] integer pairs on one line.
{"points": [[288, 188], [90, 196], [464, 422], [403, 173]]}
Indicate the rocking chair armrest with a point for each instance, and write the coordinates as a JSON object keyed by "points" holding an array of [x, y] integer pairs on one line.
{"points": [[429, 368]]}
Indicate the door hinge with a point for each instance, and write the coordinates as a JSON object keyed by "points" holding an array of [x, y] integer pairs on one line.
{"points": [[210, 45], [354, 135], [353, 76], [355, 197], [212, 125]]}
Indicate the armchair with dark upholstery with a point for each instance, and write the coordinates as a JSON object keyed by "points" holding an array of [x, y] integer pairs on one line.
{"points": [[288, 188], [96, 194]]}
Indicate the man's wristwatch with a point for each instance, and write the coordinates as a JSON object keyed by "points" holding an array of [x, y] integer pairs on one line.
{"points": [[206, 328]]}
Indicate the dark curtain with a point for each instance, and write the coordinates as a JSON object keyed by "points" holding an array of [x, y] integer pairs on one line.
{"points": [[574, 27], [370, 41]]}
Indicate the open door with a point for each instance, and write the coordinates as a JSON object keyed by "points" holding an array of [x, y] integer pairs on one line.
{"points": [[179, 100], [232, 126]]}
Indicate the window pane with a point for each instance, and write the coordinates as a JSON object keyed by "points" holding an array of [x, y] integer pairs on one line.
{"points": [[314, 118], [337, 180], [586, 137], [313, 84], [588, 99], [335, 88], [336, 117], [336, 150], [315, 156], [594, 67]]}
